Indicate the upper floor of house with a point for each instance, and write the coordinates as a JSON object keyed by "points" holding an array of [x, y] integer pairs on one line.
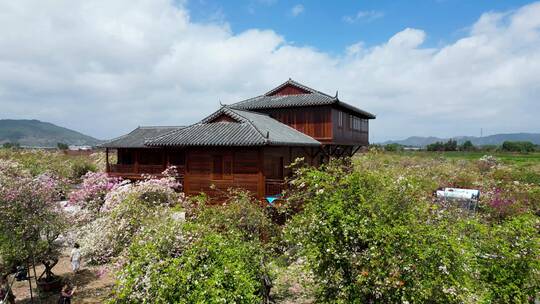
{"points": [[321, 116]]}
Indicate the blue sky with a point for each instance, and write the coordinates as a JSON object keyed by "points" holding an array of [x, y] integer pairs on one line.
{"points": [[330, 26]]}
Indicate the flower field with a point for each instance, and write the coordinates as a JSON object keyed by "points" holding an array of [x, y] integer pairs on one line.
{"points": [[361, 230]]}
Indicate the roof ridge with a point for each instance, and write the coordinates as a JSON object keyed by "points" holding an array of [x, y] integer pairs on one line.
{"points": [[158, 127], [248, 111], [149, 140], [298, 84], [119, 137]]}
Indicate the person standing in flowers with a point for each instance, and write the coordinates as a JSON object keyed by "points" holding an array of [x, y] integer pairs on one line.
{"points": [[66, 294], [75, 258]]}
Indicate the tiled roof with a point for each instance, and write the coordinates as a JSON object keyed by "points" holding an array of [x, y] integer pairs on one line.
{"points": [[312, 98], [248, 129], [137, 137]]}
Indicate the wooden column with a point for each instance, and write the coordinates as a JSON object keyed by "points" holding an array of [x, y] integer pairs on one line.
{"points": [[136, 154], [185, 186], [164, 160], [107, 167], [261, 189]]}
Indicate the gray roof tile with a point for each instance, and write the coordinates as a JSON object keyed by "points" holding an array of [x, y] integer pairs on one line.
{"points": [[137, 137], [250, 129], [313, 98]]}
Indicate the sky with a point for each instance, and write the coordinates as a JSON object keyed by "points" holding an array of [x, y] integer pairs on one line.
{"points": [[425, 68]]}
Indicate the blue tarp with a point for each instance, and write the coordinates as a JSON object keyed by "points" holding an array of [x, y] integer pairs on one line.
{"points": [[272, 198]]}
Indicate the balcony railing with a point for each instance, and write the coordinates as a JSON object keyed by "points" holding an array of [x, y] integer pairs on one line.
{"points": [[136, 169], [274, 186]]}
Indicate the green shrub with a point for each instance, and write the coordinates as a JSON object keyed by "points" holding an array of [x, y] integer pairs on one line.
{"points": [[241, 213], [393, 147], [79, 168], [509, 260], [204, 267], [40, 161], [518, 146], [370, 238]]}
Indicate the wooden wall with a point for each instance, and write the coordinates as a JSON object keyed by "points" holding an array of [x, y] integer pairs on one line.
{"points": [[251, 169], [322, 123], [289, 90], [345, 134], [313, 121], [240, 168]]}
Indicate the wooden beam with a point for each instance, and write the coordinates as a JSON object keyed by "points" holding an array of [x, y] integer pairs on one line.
{"points": [[355, 149]]}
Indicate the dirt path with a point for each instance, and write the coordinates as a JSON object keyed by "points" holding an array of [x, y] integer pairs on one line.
{"points": [[93, 283]]}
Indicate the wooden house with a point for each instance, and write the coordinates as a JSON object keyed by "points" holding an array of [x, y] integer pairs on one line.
{"points": [[247, 144]]}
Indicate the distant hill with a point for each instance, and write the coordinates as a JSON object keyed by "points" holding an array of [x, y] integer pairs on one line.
{"points": [[35, 133], [497, 139]]}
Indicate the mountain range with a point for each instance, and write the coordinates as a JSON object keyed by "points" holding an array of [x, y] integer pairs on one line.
{"points": [[496, 139], [35, 133]]}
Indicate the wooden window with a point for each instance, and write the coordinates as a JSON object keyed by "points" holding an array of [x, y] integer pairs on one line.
{"points": [[177, 158], [222, 167], [351, 119], [227, 167], [340, 119], [364, 125], [125, 156], [217, 167], [150, 157], [273, 167]]}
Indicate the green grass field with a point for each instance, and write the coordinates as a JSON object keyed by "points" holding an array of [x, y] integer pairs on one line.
{"points": [[518, 159]]}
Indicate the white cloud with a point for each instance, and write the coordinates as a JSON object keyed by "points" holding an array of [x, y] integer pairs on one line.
{"points": [[106, 67], [365, 16], [297, 10]]}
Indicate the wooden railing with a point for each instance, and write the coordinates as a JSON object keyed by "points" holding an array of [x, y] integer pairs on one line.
{"points": [[151, 169], [118, 168], [274, 186], [136, 169]]}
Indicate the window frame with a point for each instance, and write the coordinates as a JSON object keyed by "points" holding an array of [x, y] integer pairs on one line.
{"points": [[225, 164]]}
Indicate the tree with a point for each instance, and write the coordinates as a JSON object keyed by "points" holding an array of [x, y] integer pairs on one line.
{"points": [[62, 146], [467, 146], [30, 220], [393, 147], [450, 145], [436, 146], [518, 146], [11, 145]]}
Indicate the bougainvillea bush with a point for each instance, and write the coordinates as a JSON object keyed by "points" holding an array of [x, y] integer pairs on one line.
{"points": [[372, 233], [371, 238], [30, 217], [214, 257], [92, 191], [127, 208], [204, 267]]}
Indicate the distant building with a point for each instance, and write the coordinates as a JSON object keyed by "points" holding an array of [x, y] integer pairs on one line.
{"points": [[79, 148]]}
